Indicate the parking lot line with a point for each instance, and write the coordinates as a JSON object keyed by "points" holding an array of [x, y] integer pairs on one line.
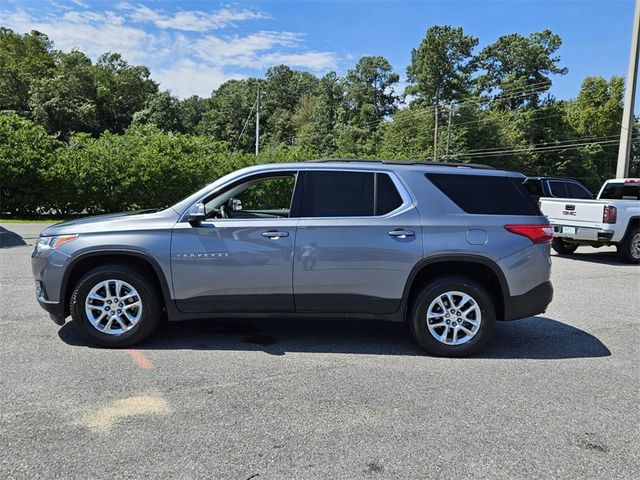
{"points": [[103, 419], [139, 359]]}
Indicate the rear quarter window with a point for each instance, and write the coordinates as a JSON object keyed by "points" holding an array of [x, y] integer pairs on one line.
{"points": [[621, 191], [486, 195]]}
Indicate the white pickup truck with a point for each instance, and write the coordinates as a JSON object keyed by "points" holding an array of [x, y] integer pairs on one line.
{"points": [[612, 219]]}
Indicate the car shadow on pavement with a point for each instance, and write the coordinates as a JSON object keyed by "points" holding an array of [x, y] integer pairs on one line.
{"points": [[604, 258], [10, 239], [531, 338]]}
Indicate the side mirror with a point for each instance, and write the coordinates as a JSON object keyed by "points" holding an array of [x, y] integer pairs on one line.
{"points": [[196, 215]]}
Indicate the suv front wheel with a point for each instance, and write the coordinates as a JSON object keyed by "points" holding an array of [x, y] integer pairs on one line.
{"points": [[115, 306], [453, 317]]}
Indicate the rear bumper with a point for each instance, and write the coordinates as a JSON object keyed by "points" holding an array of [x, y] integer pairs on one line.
{"points": [[528, 304], [585, 234]]}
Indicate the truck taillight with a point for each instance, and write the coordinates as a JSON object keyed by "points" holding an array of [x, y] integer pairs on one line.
{"points": [[535, 233], [609, 214]]}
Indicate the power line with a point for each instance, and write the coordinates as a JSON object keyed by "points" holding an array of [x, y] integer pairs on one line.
{"points": [[245, 125], [574, 146], [593, 139], [515, 93], [426, 109]]}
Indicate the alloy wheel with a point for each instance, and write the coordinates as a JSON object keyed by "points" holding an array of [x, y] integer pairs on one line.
{"points": [[454, 318], [113, 306]]}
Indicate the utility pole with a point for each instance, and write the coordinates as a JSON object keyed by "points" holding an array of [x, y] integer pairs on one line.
{"points": [[258, 122], [449, 128], [626, 132], [435, 136]]}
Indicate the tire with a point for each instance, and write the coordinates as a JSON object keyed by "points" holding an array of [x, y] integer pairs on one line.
{"points": [[427, 302], [138, 304], [562, 247], [629, 248]]}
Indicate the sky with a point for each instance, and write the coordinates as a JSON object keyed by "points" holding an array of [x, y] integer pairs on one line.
{"points": [[192, 47]]}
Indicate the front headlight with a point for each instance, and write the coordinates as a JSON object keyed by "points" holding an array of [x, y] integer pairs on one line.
{"points": [[51, 243]]}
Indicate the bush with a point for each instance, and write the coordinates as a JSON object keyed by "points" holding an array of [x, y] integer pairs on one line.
{"points": [[24, 149], [142, 168]]}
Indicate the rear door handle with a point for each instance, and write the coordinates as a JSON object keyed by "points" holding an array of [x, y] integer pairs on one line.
{"points": [[402, 233], [274, 235]]}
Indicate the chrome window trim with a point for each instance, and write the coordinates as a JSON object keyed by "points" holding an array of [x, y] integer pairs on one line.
{"points": [[407, 200], [201, 199]]}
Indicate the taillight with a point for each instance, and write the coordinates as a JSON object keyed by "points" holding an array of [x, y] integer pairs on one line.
{"points": [[609, 214], [535, 233]]}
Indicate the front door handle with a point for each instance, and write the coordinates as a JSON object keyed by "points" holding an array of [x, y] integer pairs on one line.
{"points": [[274, 235], [402, 233]]}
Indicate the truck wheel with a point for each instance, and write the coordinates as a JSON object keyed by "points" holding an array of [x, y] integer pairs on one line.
{"points": [[629, 248], [452, 317], [563, 247], [115, 306]]}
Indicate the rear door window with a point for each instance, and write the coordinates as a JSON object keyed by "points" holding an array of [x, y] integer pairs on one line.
{"points": [[348, 194], [534, 187], [486, 195], [558, 189]]}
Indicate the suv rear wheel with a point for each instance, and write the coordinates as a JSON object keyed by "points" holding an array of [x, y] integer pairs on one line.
{"points": [[453, 317], [115, 306]]}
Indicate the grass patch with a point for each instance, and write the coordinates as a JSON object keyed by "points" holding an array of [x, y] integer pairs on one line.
{"points": [[30, 220]]}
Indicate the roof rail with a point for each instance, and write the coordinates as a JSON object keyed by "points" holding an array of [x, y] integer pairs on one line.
{"points": [[402, 162]]}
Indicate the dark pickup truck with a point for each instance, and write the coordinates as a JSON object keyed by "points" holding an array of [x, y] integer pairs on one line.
{"points": [[555, 187]]}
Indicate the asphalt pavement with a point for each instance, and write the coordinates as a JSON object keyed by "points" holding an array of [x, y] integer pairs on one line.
{"points": [[554, 396]]}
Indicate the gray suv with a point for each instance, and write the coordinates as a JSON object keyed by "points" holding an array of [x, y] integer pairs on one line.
{"points": [[447, 248]]}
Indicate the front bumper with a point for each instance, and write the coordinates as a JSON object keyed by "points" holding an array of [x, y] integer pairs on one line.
{"points": [[55, 309], [531, 303], [48, 268]]}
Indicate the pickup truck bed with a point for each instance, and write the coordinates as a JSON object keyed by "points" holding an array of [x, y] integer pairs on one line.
{"points": [[612, 219]]}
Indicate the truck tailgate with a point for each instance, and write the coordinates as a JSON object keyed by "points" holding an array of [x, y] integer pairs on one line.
{"points": [[569, 211]]}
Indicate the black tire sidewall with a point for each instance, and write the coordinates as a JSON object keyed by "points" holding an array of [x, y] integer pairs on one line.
{"points": [[624, 248], [562, 247], [429, 293], [148, 296]]}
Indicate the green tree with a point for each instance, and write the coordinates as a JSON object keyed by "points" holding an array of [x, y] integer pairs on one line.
{"points": [[369, 91], [122, 90], [410, 135], [595, 116], [162, 110], [284, 89], [66, 101], [228, 110], [319, 132], [517, 69], [24, 59], [369, 98], [192, 109], [441, 67]]}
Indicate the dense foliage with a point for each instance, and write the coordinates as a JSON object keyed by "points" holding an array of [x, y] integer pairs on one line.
{"points": [[78, 136]]}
